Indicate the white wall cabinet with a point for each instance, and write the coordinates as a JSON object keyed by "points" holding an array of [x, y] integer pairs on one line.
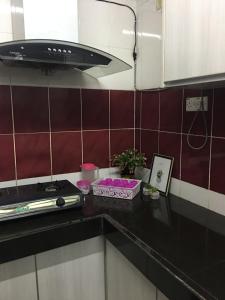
{"points": [[72, 272], [149, 60], [194, 43], [18, 280]]}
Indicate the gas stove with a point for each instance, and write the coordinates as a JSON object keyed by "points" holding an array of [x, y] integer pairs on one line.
{"points": [[26, 200]]}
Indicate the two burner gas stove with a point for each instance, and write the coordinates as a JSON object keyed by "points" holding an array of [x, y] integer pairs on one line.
{"points": [[26, 200]]}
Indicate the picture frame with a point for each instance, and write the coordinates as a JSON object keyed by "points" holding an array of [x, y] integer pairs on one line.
{"points": [[160, 174]]}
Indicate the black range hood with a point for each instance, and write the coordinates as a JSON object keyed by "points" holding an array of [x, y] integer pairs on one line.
{"points": [[50, 55]]}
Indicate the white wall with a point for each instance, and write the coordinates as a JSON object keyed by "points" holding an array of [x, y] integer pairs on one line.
{"points": [[100, 25]]}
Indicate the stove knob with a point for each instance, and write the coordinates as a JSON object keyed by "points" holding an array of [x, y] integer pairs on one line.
{"points": [[60, 202]]}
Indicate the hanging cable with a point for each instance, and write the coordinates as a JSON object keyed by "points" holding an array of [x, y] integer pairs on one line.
{"points": [[200, 110], [135, 36]]}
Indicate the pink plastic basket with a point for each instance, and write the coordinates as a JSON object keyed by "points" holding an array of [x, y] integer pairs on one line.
{"points": [[115, 191]]}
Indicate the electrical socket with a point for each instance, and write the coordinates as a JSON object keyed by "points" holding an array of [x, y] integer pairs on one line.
{"points": [[194, 104]]}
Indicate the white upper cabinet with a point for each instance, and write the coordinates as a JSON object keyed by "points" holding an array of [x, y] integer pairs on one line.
{"points": [[194, 43], [149, 60]]}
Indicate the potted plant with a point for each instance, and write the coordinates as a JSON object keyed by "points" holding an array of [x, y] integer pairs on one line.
{"points": [[128, 160]]}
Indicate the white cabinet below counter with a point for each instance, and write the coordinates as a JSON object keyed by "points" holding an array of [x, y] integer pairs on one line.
{"points": [[194, 43]]}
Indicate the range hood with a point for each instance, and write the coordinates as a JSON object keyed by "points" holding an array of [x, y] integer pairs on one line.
{"points": [[50, 55]]}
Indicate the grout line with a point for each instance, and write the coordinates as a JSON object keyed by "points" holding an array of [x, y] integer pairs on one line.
{"points": [[109, 131], [14, 138], [135, 99], [159, 121], [210, 146], [81, 127], [50, 133], [181, 137], [140, 123]]}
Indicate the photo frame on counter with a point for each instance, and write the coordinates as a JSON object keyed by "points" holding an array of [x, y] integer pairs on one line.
{"points": [[160, 174]]}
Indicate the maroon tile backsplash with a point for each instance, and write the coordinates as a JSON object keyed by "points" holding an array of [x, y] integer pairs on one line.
{"points": [[150, 110], [32, 155], [121, 140], [7, 162], [198, 126], [30, 108], [170, 144], [96, 147], [121, 109], [65, 107], [49, 131], [95, 109], [6, 125], [171, 110], [66, 152], [164, 127], [195, 163]]}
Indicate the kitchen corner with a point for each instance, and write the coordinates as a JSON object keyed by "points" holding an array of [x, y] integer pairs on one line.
{"points": [[92, 91]]}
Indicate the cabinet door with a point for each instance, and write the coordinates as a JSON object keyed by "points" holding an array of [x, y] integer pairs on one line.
{"points": [[124, 281], [72, 272], [149, 59], [18, 280], [194, 41]]}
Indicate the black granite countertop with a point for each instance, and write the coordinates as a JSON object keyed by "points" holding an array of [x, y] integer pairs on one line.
{"points": [[179, 246]]}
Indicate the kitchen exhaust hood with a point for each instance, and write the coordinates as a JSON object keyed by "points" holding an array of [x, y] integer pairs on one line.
{"points": [[51, 55]]}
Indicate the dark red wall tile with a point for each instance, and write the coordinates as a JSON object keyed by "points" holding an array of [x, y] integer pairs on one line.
{"points": [[7, 162], [219, 113], [170, 145], [30, 105], [218, 166], [96, 147], [198, 127], [149, 144], [65, 107], [138, 139], [121, 140], [5, 110], [33, 155], [195, 163], [66, 152], [121, 109], [150, 110], [138, 110], [171, 110], [95, 109]]}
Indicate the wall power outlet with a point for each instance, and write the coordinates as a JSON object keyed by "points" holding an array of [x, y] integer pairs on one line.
{"points": [[194, 104]]}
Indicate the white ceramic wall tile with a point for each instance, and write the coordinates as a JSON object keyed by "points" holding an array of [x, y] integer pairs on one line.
{"points": [[5, 37], [5, 184], [93, 23], [5, 16], [123, 80], [60, 24], [194, 194], [33, 180], [28, 77], [175, 186], [121, 27], [217, 202]]}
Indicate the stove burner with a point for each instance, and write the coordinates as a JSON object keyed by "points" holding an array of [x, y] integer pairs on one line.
{"points": [[50, 187], [21, 201]]}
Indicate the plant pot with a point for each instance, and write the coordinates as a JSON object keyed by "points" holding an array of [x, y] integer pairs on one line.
{"points": [[125, 173]]}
